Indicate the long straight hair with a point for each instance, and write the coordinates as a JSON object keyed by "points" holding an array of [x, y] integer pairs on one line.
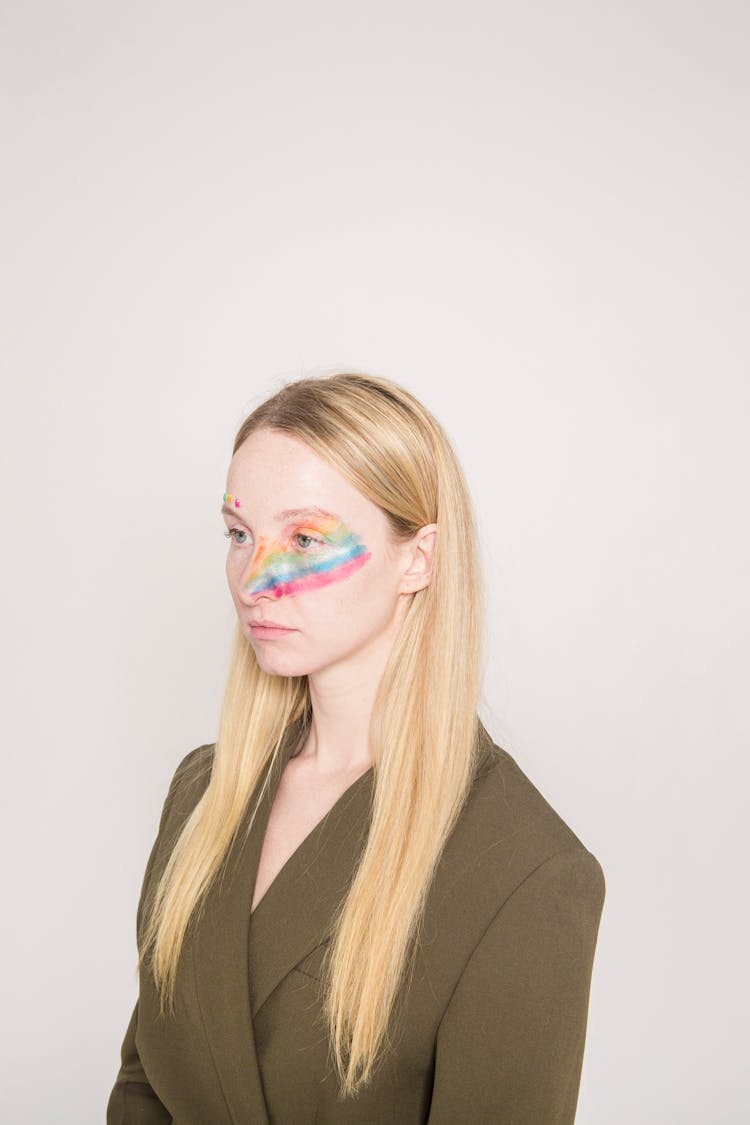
{"points": [[424, 725]]}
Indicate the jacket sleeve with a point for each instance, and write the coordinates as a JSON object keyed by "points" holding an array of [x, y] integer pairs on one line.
{"points": [[509, 1048], [132, 1100]]}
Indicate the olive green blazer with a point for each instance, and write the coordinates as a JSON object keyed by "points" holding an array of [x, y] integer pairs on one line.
{"points": [[493, 1026]]}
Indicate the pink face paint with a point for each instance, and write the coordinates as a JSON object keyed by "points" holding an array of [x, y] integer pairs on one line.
{"points": [[231, 500], [281, 568]]}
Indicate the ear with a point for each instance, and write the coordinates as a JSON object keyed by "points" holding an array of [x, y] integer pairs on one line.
{"points": [[419, 554]]}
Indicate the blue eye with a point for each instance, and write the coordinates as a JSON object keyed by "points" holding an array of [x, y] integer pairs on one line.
{"points": [[231, 534], [313, 539]]}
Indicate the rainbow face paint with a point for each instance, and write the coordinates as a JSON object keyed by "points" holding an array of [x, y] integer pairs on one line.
{"points": [[281, 567]]}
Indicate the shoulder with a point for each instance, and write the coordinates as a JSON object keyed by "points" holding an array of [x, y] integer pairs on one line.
{"points": [[511, 868], [508, 832], [189, 782], [505, 801], [195, 767]]}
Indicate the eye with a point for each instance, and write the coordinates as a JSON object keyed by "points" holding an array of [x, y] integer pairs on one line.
{"points": [[311, 538], [235, 531]]}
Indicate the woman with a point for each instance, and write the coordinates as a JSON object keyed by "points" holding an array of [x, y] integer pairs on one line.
{"points": [[358, 909]]}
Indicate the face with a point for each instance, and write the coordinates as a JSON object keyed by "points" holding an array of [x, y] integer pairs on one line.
{"points": [[309, 553]]}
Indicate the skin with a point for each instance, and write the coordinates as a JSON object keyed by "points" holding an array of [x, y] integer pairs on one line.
{"points": [[342, 584]]}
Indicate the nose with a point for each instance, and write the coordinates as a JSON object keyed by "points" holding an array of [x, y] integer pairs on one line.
{"points": [[252, 571]]}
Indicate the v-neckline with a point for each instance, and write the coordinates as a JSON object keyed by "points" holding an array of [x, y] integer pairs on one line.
{"points": [[238, 957], [294, 858]]}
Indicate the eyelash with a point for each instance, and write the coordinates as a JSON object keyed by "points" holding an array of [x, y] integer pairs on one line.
{"points": [[230, 535]]}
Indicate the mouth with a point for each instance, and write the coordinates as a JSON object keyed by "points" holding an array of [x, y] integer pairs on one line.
{"points": [[268, 628]]}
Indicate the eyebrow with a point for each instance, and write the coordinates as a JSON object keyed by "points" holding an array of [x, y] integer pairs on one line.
{"points": [[288, 513]]}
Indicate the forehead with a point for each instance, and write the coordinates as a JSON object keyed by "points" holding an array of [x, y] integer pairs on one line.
{"points": [[277, 477]]}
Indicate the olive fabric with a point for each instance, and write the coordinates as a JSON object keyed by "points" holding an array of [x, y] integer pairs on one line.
{"points": [[491, 1025]]}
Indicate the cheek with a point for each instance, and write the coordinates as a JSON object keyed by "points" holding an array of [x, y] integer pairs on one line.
{"points": [[236, 566], [365, 595]]}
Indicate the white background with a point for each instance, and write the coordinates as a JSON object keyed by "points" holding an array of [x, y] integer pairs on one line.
{"points": [[535, 217]]}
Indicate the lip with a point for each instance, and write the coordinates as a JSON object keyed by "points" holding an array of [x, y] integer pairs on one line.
{"points": [[268, 629]]}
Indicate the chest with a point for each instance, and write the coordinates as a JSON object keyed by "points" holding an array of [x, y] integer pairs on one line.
{"points": [[300, 804]]}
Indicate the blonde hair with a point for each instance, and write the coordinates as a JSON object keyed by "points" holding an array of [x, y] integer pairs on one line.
{"points": [[424, 727]]}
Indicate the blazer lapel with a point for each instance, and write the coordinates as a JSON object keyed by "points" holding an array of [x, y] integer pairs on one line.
{"points": [[239, 954], [221, 965], [295, 914]]}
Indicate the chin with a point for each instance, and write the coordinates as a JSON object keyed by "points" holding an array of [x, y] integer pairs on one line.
{"points": [[279, 664]]}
